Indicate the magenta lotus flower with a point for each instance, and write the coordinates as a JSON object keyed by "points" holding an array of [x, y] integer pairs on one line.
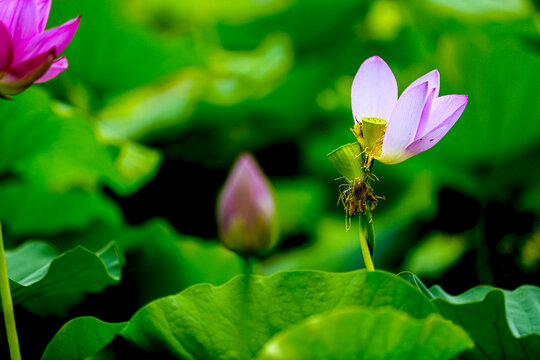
{"points": [[246, 210], [395, 129], [27, 52]]}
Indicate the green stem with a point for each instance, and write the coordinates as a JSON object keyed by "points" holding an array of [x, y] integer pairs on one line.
{"points": [[7, 304], [365, 247], [246, 314], [370, 232]]}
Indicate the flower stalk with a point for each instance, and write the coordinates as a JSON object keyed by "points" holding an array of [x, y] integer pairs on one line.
{"points": [[7, 305], [364, 245], [249, 263], [367, 233]]}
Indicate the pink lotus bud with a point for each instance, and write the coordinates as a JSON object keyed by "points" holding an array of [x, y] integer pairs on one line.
{"points": [[246, 210], [27, 52]]}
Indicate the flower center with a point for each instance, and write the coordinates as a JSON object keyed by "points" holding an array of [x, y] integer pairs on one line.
{"points": [[370, 135]]}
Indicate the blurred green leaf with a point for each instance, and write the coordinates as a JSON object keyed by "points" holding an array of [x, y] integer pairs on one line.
{"points": [[366, 333], [503, 324], [46, 282], [57, 148], [152, 109], [177, 260], [111, 54], [435, 254], [484, 9], [68, 344], [30, 210], [300, 204], [181, 14], [156, 248], [238, 75]]}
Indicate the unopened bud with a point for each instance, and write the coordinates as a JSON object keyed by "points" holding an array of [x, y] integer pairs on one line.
{"points": [[246, 210]]}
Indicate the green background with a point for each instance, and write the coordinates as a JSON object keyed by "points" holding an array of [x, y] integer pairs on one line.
{"points": [[133, 141]]}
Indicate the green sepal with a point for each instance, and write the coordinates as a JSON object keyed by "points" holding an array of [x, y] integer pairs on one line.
{"points": [[348, 161]]}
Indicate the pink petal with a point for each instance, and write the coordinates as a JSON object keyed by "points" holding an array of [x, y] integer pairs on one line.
{"points": [[6, 48], [426, 112], [435, 135], [57, 38], [247, 193], [374, 90], [403, 123], [21, 18], [56, 68], [43, 10], [22, 76], [434, 82], [442, 108]]}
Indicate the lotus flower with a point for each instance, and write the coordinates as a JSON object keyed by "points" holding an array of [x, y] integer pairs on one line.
{"points": [[27, 52], [246, 210], [391, 129]]}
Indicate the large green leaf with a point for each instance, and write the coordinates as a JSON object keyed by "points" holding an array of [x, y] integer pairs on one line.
{"points": [[503, 324], [80, 338], [203, 321], [208, 322], [46, 282], [359, 333]]}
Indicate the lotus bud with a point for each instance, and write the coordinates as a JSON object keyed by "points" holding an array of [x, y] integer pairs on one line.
{"points": [[246, 210]]}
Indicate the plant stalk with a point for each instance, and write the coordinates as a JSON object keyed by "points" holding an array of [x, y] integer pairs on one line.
{"points": [[364, 246], [7, 304], [246, 314]]}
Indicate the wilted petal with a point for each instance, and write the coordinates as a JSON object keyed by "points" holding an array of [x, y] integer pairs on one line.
{"points": [[374, 90], [441, 109], [58, 38], [434, 82], [22, 76], [435, 135], [43, 10], [403, 123], [426, 112], [6, 48], [21, 19], [56, 68]]}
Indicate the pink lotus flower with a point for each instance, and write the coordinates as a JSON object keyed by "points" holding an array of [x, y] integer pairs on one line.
{"points": [[27, 52], [397, 129], [246, 209]]}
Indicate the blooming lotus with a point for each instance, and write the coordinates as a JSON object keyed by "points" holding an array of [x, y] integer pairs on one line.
{"points": [[246, 210], [391, 129], [27, 52]]}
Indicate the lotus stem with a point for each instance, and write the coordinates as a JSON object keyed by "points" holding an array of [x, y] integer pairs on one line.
{"points": [[7, 305], [364, 246], [246, 313]]}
